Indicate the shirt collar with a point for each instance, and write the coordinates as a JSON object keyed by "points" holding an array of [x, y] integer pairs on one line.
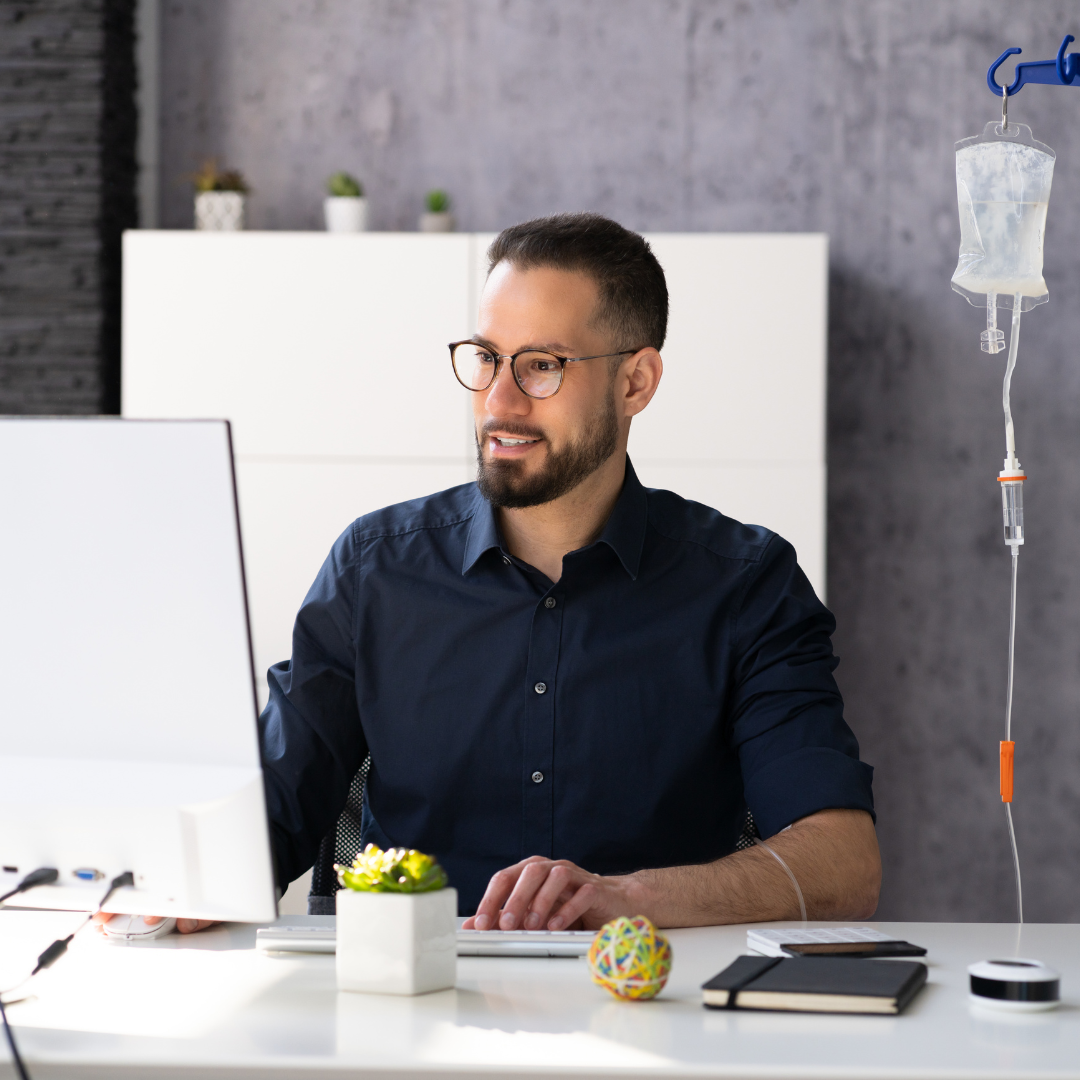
{"points": [[483, 533], [624, 532]]}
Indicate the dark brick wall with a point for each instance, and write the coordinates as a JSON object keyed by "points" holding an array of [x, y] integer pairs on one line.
{"points": [[67, 178]]}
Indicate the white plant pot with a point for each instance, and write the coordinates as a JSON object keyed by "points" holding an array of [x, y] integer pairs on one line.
{"points": [[396, 943], [345, 213], [443, 222], [219, 211]]}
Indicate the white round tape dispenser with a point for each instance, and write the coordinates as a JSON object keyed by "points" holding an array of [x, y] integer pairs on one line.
{"points": [[1016, 985]]}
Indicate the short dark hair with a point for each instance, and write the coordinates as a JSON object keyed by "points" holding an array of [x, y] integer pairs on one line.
{"points": [[633, 293]]}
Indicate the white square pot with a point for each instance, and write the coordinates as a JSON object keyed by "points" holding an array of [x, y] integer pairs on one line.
{"points": [[345, 213], [440, 222], [396, 943], [219, 211]]}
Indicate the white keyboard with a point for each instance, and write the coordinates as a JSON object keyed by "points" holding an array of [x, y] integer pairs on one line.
{"points": [[524, 942], [296, 939], [323, 938]]}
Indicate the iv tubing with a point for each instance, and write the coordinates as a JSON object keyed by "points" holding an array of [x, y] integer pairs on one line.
{"points": [[1010, 448], [1016, 868], [787, 870], [1012, 644], [1014, 342], [1008, 730]]}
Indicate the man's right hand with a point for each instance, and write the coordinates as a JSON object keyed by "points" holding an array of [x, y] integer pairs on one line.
{"points": [[185, 926]]}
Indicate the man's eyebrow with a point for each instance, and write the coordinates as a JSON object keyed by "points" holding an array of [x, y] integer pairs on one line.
{"points": [[549, 346]]}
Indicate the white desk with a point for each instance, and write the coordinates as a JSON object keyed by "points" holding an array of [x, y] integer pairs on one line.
{"points": [[210, 1006]]}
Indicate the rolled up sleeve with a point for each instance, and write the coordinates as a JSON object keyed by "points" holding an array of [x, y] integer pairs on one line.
{"points": [[796, 752]]}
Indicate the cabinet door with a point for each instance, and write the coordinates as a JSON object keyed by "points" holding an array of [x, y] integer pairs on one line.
{"points": [[312, 344]]}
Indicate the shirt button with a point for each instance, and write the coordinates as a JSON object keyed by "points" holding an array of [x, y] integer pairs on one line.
{"points": [[549, 602], [506, 561], [541, 687], [537, 777]]}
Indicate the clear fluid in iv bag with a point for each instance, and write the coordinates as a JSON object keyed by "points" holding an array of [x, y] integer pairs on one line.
{"points": [[1009, 259], [1003, 190]]}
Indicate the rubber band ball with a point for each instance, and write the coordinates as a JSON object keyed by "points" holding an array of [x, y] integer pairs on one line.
{"points": [[630, 958]]}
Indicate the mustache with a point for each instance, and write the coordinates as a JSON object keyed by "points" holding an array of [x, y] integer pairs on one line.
{"points": [[515, 428]]}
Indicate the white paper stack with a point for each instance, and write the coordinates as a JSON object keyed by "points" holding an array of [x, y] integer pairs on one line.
{"points": [[771, 942]]}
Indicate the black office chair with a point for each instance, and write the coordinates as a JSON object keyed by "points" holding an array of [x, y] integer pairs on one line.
{"points": [[344, 842], [340, 845]]}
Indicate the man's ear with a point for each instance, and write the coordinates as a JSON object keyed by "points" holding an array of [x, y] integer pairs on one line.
{"points": [[639, 376]]}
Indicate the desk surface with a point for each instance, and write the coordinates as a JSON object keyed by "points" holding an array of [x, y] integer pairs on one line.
{"points": [[210, 1005]]}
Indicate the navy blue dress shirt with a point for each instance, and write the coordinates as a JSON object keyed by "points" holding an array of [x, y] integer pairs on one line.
{"points": [[624, 717]]}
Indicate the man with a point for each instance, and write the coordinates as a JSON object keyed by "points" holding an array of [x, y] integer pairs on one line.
{"points": [[572, 688]]}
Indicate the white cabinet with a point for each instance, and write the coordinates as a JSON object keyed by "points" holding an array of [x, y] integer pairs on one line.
{"points": [[328, 354], [739, 420]]}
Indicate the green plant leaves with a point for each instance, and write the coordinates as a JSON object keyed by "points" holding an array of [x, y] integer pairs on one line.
{"points": [[437, 202], [344, 186], [211, 178], [396, 870]]}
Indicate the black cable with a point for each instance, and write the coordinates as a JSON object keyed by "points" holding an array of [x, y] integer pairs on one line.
{"points": [[60, 946], [45, 875], [55, 951], [20, 1068]]}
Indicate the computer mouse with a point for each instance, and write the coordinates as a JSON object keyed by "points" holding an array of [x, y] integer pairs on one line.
{"points": [[135, 928]]}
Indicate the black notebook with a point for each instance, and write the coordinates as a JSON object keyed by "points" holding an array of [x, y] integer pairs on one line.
{"points": [[815, 984]]}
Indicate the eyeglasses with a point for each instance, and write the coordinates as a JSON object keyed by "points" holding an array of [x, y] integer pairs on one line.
{"points": [[538, 374]]}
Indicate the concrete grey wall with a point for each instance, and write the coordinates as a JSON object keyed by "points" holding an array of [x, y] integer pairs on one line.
{"points": [[784, 115]]}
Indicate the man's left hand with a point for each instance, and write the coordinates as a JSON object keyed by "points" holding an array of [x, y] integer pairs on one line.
{"points": [[552, 894]]}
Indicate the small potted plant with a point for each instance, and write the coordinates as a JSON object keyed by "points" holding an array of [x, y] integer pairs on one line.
{"points": [[219, 198], [345, 208], [437, 216], [396, 930]]}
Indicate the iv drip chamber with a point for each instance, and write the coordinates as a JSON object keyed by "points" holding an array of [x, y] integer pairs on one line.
{"points": [[1012, 503], [1003, 191]]}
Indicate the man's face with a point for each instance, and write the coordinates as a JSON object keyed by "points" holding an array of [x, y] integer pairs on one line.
{"points": [[532, 451]]}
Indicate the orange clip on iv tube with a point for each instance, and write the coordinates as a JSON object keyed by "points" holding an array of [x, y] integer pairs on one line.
{"points": [[1007, 749]]}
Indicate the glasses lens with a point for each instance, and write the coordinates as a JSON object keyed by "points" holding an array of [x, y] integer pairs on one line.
{"points": [[538, 373], [474, 366]]}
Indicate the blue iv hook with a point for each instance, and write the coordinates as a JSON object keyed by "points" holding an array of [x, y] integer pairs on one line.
{"points": [[1063, 71]]}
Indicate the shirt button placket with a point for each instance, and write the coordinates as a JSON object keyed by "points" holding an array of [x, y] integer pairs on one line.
{"points": [[538, 789]]}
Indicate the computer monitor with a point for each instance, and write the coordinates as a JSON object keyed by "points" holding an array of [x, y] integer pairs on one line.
{"points": [[128, 711]]}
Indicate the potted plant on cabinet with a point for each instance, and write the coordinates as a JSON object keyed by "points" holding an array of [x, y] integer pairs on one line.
{"points": [[437, 216], [219, 198], [395, 924], [345, 208]]}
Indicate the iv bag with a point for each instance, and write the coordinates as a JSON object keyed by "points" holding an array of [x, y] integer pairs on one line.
{"points": [[1002, 190]]}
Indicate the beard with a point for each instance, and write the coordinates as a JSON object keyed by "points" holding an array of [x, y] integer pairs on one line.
{"points": [[504, 483]]}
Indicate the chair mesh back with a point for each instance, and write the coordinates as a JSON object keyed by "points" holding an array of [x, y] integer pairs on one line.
{"points": [[749, 831], [340, 845]]}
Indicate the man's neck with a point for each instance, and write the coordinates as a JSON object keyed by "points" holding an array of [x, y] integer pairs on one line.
{"points": [[542, 535]]}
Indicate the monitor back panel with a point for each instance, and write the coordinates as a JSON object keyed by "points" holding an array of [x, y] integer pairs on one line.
{"points": [[128, 707]]}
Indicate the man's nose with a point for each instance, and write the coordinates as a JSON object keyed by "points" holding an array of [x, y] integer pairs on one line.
{"points": [[505, 397]]}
